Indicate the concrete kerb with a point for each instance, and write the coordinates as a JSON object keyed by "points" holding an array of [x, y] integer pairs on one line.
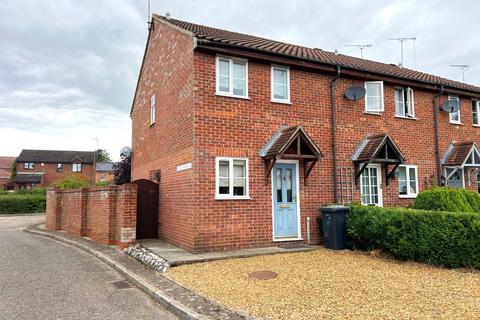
{"points": [[177, 308]]}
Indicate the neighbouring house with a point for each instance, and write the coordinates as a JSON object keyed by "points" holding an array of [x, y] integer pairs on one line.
{"points": [[104, 172], [248, 137], [6, 164], [41, 168]]}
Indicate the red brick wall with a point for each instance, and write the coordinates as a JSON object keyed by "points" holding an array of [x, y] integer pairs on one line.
{"points": [[51, 174], [207, 126], [107, 215], [168, 73]]}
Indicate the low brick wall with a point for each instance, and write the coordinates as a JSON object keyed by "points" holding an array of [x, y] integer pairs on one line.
{"points": [[105, 214]]}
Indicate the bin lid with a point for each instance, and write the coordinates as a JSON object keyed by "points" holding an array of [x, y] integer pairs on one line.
{"points": [[334, 208]]}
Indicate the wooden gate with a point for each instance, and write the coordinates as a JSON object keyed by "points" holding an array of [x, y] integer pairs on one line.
{"points": [[147, 209]]}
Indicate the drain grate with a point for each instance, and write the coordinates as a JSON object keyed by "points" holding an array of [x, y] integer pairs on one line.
{"points": [[122, 284]]}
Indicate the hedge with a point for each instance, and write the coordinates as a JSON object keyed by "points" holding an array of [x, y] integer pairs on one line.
{"points": [[72, 182], [435, 237], [22, 203], [448, 199]]}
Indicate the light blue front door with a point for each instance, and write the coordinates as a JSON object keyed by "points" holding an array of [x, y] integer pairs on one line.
{"points": [[285, 200]]}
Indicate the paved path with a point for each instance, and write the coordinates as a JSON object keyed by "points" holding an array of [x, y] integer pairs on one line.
{"points": [[44, 279]]}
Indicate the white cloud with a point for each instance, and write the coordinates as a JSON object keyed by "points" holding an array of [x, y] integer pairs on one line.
{"points": [[68, 69]]}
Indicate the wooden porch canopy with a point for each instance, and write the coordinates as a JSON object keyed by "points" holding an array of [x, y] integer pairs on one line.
{"points": [[379, 148], [291, 143], [460, 155]]}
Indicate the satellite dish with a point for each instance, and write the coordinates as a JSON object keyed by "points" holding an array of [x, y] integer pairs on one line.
{"points": [[355, 93], [450, 106], [126, 151]]}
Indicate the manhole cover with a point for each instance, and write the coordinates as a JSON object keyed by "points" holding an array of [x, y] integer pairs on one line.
{"points": [[263, 275], [122, 284]]}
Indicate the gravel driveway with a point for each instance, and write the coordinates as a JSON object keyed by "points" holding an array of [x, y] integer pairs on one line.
{"points": [[326, 284]]}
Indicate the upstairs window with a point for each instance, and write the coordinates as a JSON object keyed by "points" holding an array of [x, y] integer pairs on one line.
{"points": [[152, 110], [407, 181], [59, 167], [232, 77], [374, 97], [29, 165], [76, 167], [476, 113], [280, 84], [454, 116], [231, 178], [404, 103]]}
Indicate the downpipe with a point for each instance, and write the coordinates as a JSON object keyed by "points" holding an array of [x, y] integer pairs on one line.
{"points": [[334, 135], [436, 107]]}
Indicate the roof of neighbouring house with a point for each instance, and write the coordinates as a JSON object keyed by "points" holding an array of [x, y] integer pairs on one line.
{"points": [[104, 166], [371, 146], [458, 152], [221, 37], [29, 177], [56, 156], [6, 164]]}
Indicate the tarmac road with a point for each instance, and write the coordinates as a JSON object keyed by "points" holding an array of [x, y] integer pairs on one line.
{"points": [[44, 279]]}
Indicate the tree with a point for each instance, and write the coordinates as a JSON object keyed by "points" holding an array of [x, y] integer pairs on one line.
{"points": [[102, 155], [123, 167], [14, 171]]}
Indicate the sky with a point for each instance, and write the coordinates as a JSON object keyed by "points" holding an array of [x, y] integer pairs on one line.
{"points": [[68, 69]]}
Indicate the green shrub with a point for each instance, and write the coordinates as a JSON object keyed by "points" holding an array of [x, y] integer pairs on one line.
{"points": [[72, 182], [36, 191], [22, 203], [448, 199], [439, 238], [101, 184]]}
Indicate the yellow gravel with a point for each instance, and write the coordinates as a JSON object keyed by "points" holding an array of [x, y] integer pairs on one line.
{"points": [[325, 284]]}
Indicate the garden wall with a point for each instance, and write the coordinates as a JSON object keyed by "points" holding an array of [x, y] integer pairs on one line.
{"points": [[105, 214]]}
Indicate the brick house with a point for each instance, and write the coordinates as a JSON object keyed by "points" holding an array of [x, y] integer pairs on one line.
{"points": [[104, 172], [6, 164], [248, 137], [40, 168]]}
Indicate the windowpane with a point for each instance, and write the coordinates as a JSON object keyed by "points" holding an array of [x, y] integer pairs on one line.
{"points": [[475, 112], [278, 175], [239, 169], [280, 76], [412, 174], [239, 186], [239, 87], [476, 157], [223, 169], [239, 78], [399, 104], [288, 184], [280, 92], [455, 116], [374, 104], [374, 89], [224, 75]]}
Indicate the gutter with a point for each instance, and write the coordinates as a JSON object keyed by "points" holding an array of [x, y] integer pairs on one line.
{"points": [[334, 135], [435, 124]]}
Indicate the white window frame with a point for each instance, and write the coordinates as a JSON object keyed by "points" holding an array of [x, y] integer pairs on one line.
{"points": [[76, 167], [459, 114], [476, 105], [409, 104], [379, 185], [381, 97], [152, 109], [407, 177], [230, 195], [60, 167], [29, 165], [272, 84], [231, 60]]}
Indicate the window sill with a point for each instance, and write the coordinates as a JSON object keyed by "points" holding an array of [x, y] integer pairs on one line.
{"points": [[406, 118], [280, 101], [476, 125], [231, 96], [233, 198], [456, 123], [407, 196], [287, 239], [370, 113]]}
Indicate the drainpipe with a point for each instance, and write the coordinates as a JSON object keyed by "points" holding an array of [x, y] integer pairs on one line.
{"points": [[334, 134], [435, 124]]}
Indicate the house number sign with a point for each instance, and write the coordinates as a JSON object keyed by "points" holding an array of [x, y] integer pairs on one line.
{"points": [[185, 166]]}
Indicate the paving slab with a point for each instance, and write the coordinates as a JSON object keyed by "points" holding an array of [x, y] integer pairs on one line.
{"points": [[178, 256]]}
